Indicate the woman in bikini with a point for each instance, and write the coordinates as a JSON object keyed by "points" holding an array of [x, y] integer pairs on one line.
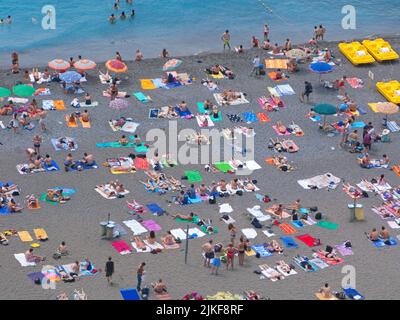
{"points": [[242, 246], [169, 239], [151, 239], [232, 233], [230, 255]]}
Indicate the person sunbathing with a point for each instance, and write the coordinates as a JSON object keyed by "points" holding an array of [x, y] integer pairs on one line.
{"points": [[6, 110], [56, 195], [139, 243], [384, 234], [230, 95], [326, 291], [151, 238], [182, 106], [32, 202], [292, 66], [30, 257], [189, 217], [88, 159], [85, 116], [223, 186], [330, 254], [169, 239], [3, 239], [13, 207], [280, 127], [72, 118], [284, 266], [248, 185], [278, 210], [203, 121], [274, 246], [175, 183], [159, 287], [215, 69]]}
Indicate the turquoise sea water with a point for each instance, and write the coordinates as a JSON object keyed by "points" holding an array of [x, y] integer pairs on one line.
{"points": [[182, 26]]}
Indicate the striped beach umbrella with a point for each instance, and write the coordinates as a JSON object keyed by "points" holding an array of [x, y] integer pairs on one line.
{"points": [[59, 65], [84, 64], [23, 90], [4, 92], [70, 76], [296, 54], [116, 66], [172, 64]]}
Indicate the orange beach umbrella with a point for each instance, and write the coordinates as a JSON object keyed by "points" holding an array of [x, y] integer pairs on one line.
{"points": [[116, 66]]}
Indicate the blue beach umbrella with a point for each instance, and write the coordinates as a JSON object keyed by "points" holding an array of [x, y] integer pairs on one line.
{"points": [[321, 67], [70, 76]]}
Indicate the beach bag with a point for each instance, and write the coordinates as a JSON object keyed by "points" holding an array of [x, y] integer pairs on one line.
{"points": [[318, 216], [212, 200], [37, 281], [347, 244], [239, 192], [340, 295]]}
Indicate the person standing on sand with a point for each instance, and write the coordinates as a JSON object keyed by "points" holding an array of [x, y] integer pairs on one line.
{"points": [[208, 253], [308, 89], [256, 66], [226, 38], [140, 272], [109, 270], [322, 32]]}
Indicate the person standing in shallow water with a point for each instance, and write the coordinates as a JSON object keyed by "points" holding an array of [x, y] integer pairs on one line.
{"points": [[226, 38]]}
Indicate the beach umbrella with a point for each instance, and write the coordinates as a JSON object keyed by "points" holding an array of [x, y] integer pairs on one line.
{"points": [[4, 92], [172, 64], [59, 65], [70, 76], [118, 104], [296, 54], [325, 109], [84, 64], [116, 66], [320, 68], [387, 108], [23, 90]]}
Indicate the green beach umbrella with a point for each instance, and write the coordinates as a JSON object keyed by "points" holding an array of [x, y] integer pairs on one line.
{"points": [[23, 90], [4, 92], [325, 109]]}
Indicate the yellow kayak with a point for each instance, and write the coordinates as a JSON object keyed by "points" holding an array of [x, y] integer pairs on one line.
{"points": [[390, 90], [356, 53], [380, 49]]}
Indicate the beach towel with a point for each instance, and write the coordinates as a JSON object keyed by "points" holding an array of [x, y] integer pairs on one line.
{"points": [[257, 213], [121, 94], [276, 63], [200, 107], [172, 85], [328, 225], [210, 123], [252, 165], [25, 236], [322, 181], [249, 233], [178, 233], [187, 114], [141, 97], [142, 249], [260, 248], [65, 146], [285, 90], [268, 233], [155, 208], [158, 82], [147, 84], [287, 228], [353, 294], [381, 243], [153, 113], [329, 261], [274, 92], [130, 294], [59, 105], [52, 167], [355, 83], [319, 263], [287, 133], [196, 233], [122, 247], [22, 260], [216, 76], [85, 125], [40, 234], [141, 163], [151, 225], [308, 240], [135, 226], [358, 124], [193, 176], [262, 117], [114, 144], [227, 219], [289, 242], [91, 105], [225, 208], [153, 246], [84, 166], [249, 117], [343, 250], [320, 296], [223, 167], [220, 101], [272, 76]]}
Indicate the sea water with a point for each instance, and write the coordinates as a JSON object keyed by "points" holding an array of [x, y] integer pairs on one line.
{"points": [[182, 26]]}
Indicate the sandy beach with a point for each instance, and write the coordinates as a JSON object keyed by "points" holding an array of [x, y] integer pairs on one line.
{"points": [[77, 221]]}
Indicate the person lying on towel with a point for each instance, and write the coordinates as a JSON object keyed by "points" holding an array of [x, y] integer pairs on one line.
{"points": [[330, 253], [169, 239], [159, 287], [55, 195], [230, 95], [274, 246]]}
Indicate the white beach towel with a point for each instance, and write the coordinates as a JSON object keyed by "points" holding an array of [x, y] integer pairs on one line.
{"points": [[252, 165], [322, 181], [268, 233], [135, 226], [154, 246], [129, 127], [201, 117], [249, 233], [285, 90], [146, 250], [257, 213], [225, 208], [291, 273], [241, 100], [319, 263], [178, 233], [197, 231], [22, 260]]}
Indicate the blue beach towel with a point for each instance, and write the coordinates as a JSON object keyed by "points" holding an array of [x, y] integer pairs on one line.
{"points": [[84, 166], [172, 85], [249, 117], [289, 242], [53, 167], [298, 224], [259, 248], [130, 294], [358, 124], [361, 110], [155, 208], [183, 114], [353, 294], [153, 113], [195, 200]]}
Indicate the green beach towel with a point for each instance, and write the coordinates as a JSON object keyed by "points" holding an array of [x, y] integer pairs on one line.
{"points": [[43, 197], [141, 97], [328, 225], [223, 166], [114, 144], [193, 176], [200, 107], [216, 119], [204, 229]]}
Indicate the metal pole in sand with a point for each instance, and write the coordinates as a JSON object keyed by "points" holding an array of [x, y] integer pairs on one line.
{"points": [[187, 243]]}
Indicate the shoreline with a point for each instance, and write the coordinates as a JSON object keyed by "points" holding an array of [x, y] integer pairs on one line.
{"points": [[5, 57]]}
